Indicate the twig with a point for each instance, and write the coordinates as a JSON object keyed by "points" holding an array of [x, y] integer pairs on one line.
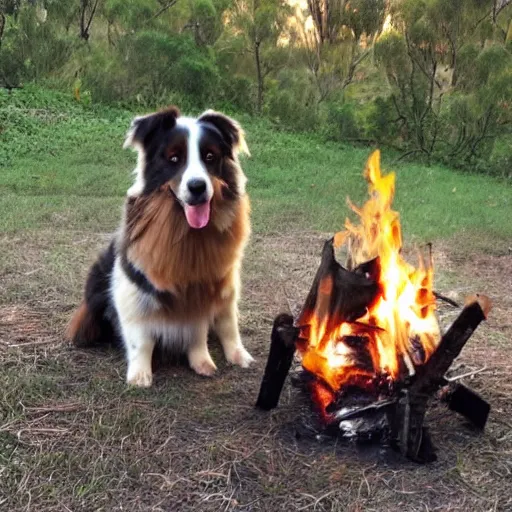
{"points": [[31, 343], [162, 10], [437, 295], [468, 374]]}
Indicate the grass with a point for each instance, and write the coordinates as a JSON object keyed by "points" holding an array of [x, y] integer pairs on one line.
{"points": [[74, 437], [65, 165]]}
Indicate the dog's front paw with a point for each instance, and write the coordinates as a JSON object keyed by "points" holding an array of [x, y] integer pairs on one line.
{"points": [[240, 356], [202, 364], [140, 378]]}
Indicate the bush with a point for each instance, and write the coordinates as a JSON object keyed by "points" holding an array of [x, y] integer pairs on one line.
{"points": [[237, 92], [32, 48], [381, 124], [149, 68], [159, 64], [290, 101], [341, 119]]}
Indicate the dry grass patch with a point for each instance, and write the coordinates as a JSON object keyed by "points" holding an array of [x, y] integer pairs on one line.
{"points": [[73, 436]]}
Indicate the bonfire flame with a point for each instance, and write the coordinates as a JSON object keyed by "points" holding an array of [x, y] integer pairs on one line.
{"points": [[398, 331]]}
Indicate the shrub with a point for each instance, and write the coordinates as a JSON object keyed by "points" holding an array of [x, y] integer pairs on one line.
{"points": [[290, 101], [159, 63], [341, 119], [32, 48]]}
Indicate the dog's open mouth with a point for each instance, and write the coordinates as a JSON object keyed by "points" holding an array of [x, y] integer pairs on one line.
{"points": [[198, 215]]}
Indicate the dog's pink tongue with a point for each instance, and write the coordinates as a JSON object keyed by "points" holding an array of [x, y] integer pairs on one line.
{"points": [[198, 215]]}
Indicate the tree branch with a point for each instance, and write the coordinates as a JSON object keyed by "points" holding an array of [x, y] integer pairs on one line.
{"points": [[162, 10], [91, 17]]}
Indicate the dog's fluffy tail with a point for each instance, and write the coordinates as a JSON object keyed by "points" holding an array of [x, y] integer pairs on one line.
{"points": [[93, 323]]}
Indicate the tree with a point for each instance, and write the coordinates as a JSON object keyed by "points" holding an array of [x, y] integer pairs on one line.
{"points": [[456, 118], [334, 49], [258, 23], [87, 11]]}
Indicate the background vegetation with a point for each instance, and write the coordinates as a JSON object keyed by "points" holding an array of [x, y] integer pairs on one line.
{"points": [[431, 78]]}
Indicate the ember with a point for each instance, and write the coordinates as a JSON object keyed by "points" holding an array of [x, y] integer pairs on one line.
{"points": [[371, 329]]}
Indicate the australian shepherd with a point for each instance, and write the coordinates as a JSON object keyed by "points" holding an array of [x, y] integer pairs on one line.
{"points": [[172, 271]]}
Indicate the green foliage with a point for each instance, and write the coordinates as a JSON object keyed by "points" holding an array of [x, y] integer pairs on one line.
{"points": [[450, 84], [380, 120], [129, 14], [32, 47], [342, 121], [437, 85], [35, 121], [364, 16], [206, 20], [290, 101], [160, 63]]}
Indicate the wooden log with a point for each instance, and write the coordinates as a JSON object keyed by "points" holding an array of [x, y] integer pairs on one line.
{"points": [[430, 375], [280, 357], [466, 402], [406, 420]]}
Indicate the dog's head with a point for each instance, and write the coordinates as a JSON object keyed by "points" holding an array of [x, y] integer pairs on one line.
{"points": [[196, 159]]}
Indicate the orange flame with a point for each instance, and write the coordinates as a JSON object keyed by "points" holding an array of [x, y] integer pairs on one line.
{"points": [[400, 330]]}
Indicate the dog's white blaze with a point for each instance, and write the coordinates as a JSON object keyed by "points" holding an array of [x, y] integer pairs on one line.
{"points": [[195, 168]]}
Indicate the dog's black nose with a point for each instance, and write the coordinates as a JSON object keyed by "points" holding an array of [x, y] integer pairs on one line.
{"points": [[197, 187]]}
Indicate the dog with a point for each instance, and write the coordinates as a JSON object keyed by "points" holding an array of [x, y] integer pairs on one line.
{"points": [[172, 271]]}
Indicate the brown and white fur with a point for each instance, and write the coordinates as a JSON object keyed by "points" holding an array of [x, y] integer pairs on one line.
{"points": [[172, 271]]}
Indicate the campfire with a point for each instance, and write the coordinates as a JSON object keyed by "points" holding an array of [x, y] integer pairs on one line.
{"points": [[371, 347]]}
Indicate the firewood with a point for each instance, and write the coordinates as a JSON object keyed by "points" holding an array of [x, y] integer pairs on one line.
{"points": [[466, 402], [282, 350], [431, 374]]}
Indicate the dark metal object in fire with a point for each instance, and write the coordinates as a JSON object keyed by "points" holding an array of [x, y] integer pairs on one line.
{"points": [[359, 412], [346, 294]]}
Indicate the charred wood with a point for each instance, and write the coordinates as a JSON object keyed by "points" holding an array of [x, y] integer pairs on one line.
{"points": [[466, 402], [339, 295], [430, 375], [406, 420], [282, 350]]}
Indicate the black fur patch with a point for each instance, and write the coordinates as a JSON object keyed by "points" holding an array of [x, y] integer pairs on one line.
{"points": [[98, 299]]}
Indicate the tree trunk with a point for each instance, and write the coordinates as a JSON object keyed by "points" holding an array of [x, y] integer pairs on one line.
{"points": [[85, 24], [2, 26], [259, 103]]}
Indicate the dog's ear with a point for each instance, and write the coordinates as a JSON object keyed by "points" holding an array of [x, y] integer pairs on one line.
{"points": [[143, 127], [229, 128]]}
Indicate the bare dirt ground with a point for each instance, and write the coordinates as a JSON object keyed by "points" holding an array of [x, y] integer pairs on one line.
{"points": [[74, 437]]}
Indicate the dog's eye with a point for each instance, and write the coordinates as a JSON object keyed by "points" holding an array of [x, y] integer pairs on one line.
{"points": [[174, 159], [210, 157]]}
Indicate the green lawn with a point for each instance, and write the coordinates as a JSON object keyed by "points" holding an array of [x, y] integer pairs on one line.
{"points": [[63, 163]]}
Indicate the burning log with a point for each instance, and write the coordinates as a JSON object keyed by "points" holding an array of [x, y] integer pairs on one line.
{"points": [[406, 419], [282, 348], [430, 374]]}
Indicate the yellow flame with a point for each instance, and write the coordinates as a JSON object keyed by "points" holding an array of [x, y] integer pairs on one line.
{"points": [[402, 318]]}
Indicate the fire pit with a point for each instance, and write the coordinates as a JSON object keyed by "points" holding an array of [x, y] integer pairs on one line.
{"points": [[370, 343]]}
